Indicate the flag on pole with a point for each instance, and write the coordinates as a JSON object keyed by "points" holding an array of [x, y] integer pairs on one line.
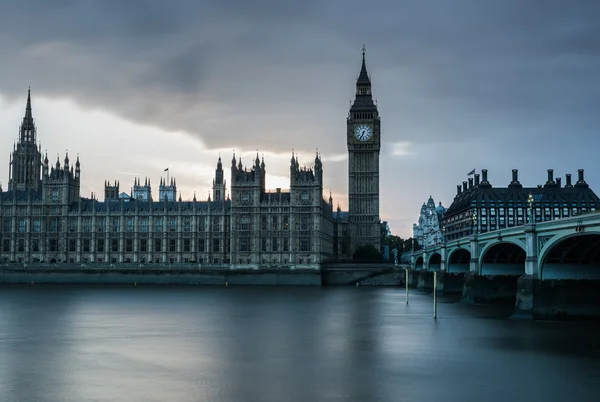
{"points": [[471, 172], [166, 169]]}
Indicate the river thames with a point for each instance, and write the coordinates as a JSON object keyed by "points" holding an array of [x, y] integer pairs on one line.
{"points": [[68, 343]]}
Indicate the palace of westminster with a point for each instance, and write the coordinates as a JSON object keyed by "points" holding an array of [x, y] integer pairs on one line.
{"points": [[45, 219]]}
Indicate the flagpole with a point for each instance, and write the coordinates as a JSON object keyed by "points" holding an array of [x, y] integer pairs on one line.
{"points": [[167, 176]]}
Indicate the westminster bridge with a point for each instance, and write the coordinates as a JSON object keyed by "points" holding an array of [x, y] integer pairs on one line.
{"points": [[546, 268]]}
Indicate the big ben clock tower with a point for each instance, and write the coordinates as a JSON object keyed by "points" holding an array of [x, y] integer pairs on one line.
{"points": [[364, 142]]}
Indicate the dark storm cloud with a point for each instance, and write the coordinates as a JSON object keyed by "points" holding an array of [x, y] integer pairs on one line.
{"points": [[439, 68], [480, 82]]}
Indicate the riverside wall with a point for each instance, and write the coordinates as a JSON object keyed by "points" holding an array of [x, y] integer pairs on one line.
{"points": [[193, 274], [158, 275]]}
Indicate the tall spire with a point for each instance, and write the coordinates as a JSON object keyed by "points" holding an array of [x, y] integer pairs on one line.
{"points": [[363, 77], [27, 127], [28, 107], [363, 100]]}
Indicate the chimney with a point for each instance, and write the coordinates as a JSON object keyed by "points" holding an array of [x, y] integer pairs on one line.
{"points": [[558, 180], [464, 186], [568, 184], [515, 180], [484, 180], [458, 189], [550, 182], [580, 181], [476, 179], [470, 182]]}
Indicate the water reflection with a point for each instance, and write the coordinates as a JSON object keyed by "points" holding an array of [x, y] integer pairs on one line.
{"points": [[281, 344]]}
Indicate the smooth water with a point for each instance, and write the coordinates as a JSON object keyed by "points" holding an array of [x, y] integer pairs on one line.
{"points": [[67, 343]]}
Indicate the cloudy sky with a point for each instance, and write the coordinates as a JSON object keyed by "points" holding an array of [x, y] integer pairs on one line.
{"points": [[134, 87]]}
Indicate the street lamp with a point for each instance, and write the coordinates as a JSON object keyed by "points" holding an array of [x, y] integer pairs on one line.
{"points": [[474, 217], [530, 202]]}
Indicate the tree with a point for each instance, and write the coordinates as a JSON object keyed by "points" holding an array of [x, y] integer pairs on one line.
{"points": [[367, 253]]}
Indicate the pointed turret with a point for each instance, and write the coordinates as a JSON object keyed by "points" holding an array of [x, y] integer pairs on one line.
{"points": [[363, 99], [363, 77]]}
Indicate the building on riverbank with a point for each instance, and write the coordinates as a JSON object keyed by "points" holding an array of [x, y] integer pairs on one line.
{"points": [[44, 218], [478, 207]]}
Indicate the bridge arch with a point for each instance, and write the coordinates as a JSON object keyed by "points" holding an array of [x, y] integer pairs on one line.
{"points": [[571, 256], [419, 263], [502, 258], [458, 260], [435, 262]]}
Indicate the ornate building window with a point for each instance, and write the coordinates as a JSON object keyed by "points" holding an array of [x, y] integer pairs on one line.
{"points": [[87, 225], [143, 245], [158, 245], [244, 223], [216, 224], [100, 245], [115, 224], [22, 225], [86, 245], [35, 245], [201, 224], [244, 244], [6, 225], [172, 245], [72, 245], [114, 245], [201, 245], [187, 224], [285, 244], [101, 227], [158, 224], [274, 246], [274, 223], [263, 223], [216, 245], [303, 223], [186, 245], [263, 244], [129, 245], [20, 245], [173, 225], [304, 244], [286, 222], [144, 225], [129, 224]]}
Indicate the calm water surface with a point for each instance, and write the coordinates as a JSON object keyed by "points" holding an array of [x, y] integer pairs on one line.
{"points": [[63, 343]]}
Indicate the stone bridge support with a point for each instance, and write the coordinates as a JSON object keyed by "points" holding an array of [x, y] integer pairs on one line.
{"points": [[444, 262], [524, 303]]}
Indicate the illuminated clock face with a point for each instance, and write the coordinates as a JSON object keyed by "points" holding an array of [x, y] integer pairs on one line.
{"points": [[363, 132]]}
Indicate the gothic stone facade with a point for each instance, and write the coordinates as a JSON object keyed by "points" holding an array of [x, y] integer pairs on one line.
{"points": [[364, 143], [430, 231], [44, 218]]}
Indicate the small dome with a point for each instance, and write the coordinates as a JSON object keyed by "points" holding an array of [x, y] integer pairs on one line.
{"points": [[430, 202]]}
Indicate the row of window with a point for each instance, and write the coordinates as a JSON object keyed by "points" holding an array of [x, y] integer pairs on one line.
{"points": [[113, 245], [55, 225]]}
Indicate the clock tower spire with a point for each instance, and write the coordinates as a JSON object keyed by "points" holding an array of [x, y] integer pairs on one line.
{"points": [[363, 136]]}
